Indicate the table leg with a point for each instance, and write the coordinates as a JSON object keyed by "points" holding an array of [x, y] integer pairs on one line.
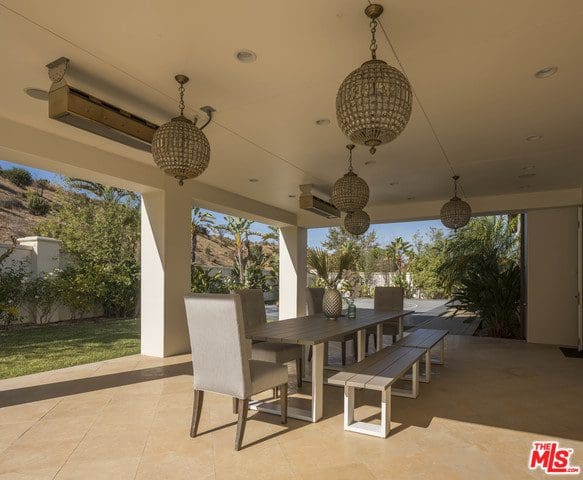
{"points": [[317, 381], [400, 328], [361, 340], [380, 331]]}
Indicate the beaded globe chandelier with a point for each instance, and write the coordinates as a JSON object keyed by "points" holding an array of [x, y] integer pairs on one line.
{"points": [[456, 213], [356, 222], [373, 104], [179, 147], [350, 192]]}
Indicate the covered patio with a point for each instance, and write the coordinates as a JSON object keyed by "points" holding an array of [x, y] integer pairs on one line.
{"points": [[512, 136], [128, 418]]}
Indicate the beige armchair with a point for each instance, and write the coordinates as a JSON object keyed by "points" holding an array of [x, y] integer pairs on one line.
{"points": [[221, 358]]}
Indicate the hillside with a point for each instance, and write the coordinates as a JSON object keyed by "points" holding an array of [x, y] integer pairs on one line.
{"points": [[16, 221]]}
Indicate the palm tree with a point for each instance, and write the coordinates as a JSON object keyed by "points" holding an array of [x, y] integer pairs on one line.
{"points": [[201, 219], [398, 253], [328, 267], [240, 230], [102, 192], [272, 234]]}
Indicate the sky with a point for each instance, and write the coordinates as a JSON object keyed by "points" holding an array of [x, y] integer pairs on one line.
{"points": [[385, 232]]}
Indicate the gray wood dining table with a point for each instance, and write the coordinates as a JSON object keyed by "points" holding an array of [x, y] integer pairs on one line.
{"points": [[315, 331]]}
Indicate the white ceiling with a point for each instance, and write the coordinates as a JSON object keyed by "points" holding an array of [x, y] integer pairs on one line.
{"points": [[471, 65]]}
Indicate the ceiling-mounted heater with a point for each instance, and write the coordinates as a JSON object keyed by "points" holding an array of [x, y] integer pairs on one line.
{"points": [[82, 110], [316, 205]]}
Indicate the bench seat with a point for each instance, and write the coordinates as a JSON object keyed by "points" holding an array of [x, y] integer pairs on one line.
{"points": [[378, 372], [426, 339]]}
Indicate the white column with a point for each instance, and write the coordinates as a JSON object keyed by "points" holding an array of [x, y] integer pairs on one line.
{"points": [[293, 244], [165, 264]]}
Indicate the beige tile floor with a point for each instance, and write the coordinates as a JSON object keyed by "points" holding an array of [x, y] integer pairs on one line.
{"points": [[128, 419]]}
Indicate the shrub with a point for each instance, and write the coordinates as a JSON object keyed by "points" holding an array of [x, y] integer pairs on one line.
{"points": [[203, 281], [18, 176], [37, 205], [11, 292], [41, 296]]}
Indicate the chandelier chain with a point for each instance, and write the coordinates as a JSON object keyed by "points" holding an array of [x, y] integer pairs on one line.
{"points": [[181, 104], [373, 39]]}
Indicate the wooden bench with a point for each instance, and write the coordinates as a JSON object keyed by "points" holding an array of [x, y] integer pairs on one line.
{"points": [[426, 339], [378, 372]]}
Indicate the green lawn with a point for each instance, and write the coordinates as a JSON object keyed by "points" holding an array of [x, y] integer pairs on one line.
{"points": [[37, 348]]}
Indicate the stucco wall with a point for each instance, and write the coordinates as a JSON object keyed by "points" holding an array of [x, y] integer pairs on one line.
{"points": [[552, 269]]}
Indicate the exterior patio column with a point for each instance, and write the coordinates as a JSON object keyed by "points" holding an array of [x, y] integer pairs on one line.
{"points": [[165, 264], [293, 245]]}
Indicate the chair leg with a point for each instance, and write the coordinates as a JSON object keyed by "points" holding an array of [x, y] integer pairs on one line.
{"points": [[243, 407], [343, 353], [310, 354], [394, 339], [235, 404], [374, 336], [283, 402], [299, 372], [196, 411]]}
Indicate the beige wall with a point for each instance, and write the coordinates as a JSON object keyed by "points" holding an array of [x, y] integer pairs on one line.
{"points": [[552, 259]]}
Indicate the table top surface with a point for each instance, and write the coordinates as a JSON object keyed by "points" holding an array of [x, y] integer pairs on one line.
{"points": [[313, 329]]}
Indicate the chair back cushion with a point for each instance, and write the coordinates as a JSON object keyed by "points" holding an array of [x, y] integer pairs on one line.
{"points": [[220, 351], [315, 299], [253, 307], [388, 298]]}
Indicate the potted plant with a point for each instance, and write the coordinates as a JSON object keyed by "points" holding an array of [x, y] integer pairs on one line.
{"points": [[329, 269]]}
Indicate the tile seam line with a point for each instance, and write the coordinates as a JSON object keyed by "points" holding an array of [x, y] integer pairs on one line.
{"points": [[79, 443], [121, 70]]}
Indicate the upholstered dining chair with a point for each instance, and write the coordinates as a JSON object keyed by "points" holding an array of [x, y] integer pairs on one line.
{"points": [[221, 358], [314, 299], [388, 299], [253, 307]]}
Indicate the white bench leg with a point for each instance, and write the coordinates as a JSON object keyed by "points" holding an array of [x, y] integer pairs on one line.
{"points": [[386, 412], [348, 407], [427, 377], [414, 392], [350, 425]]}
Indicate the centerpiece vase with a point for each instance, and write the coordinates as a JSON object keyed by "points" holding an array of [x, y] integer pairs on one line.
{"points": [[332, 303]]}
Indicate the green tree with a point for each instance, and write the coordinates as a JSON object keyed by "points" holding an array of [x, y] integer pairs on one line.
{"points": [[482, 268], [200, 223], [398, 254], [240, 230], [99, 227], [429, 255]]}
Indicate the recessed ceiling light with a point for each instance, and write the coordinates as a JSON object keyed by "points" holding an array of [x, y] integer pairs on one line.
{"points": [[245, 56], [323, 121], [533, 138], [253, 180], [370, 162], [527, 175], [37, 93], [546, 72]]}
